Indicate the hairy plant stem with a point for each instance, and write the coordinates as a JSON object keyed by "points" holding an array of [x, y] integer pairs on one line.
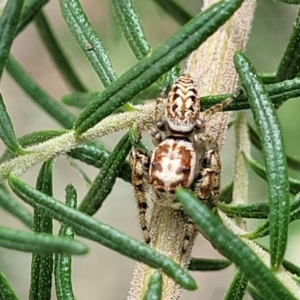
{"points": [[211, 67]]}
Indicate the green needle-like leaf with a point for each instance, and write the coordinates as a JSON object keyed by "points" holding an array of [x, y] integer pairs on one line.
{"points": [[57, 54], [289, 66], [263, 229], [101, 233], [38, 95], [279, 92], [30, 11], [175, 10], [149, 69], [271, 139], [131, 26], [291, 267], [294, 184], [78, 99], [8, 203], [88, 40], [292, 162], [237, 287], [6, 292], [254, 294], [290, 1], [155, 284], [226, 193], [42, 264], [204, 264], [254, 211], [63, 262], [94, 154], [106, 179], [39, 243], [233, 247], [7, 133], [8, 25]]}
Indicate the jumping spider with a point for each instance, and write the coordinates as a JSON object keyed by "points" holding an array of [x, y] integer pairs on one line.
{"points": [[185, 154]]}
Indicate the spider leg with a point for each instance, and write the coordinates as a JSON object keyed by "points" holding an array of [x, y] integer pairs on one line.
{"points": [[189, 233], [139, 163], [204, 118], [207, 186], [159, 123]]}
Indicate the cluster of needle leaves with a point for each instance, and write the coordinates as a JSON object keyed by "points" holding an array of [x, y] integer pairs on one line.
{"points": [[51, 254]]}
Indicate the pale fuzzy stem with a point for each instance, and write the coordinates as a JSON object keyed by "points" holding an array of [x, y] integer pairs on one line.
{"points": [[211, 66], [66, 142], [240, 179], [283, 276], [167, 241]]}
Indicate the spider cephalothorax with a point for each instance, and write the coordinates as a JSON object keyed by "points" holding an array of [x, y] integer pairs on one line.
{"points": [[185, 154], [182, 107]]}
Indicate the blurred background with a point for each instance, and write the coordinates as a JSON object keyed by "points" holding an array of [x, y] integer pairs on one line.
{"points": [[104, 274]]}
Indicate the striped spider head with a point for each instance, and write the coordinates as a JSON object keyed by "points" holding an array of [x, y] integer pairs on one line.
{"points": [[182, 107]]}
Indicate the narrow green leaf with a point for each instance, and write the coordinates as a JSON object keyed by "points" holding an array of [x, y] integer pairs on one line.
{"points": [[42, 264], [237, 287], [279, 92], [88, 40], [271, 139], [233, 247], [32, 139], [63, 262], [7, 133], [105, 180], [154, 290], [162, 59], [58, 56], [294, 184], [131, 26], [81, 172], [290, 2], [8, 25], [268, 78], [292, 162], [254, 294], [295, 208], [38, 95], [289, 66], [291, 267], [39, 243], [6, 292], [258, 210], [166, 81], [95, 155], [101, 233], [226, 193], [263, 229], [30, 10], [9, 204], [205, 264], [175, 10], [79, 99]]}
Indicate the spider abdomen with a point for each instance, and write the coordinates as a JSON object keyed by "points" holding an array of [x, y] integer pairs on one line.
{"points": [[173, 164]]}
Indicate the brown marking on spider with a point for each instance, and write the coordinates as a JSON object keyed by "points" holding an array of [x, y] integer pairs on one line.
{"points": [[173, 164], [182, 107]]}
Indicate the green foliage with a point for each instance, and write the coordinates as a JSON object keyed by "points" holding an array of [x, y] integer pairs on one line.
{"points": [[152, 74]]}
